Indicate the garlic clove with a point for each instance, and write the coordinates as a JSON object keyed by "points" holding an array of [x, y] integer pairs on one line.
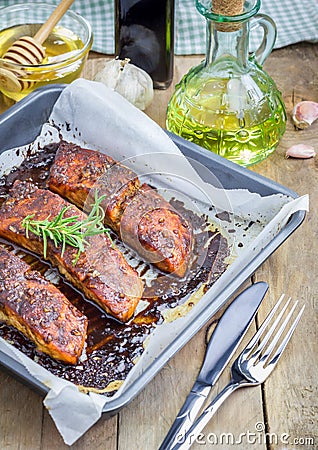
{"points": [[128, 80], [303, 151], [304, 114]]}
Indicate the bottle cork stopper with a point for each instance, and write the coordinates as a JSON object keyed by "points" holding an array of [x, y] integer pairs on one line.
{"points": [[228, 8]]}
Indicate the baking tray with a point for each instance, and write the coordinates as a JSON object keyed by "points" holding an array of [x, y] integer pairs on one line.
{"points": [[22, 123]]}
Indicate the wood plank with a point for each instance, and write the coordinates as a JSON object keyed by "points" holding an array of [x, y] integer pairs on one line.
{"points": [[161, 400], [291, 392], [231, 425], [20, 415], [102, 435], [144, 423]]}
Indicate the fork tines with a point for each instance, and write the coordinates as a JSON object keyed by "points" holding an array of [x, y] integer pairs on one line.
{"points": [[262, 353]]}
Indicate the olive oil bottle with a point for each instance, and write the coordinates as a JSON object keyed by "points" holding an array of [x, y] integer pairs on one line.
{"points": [[244, 134], [229, 104]]}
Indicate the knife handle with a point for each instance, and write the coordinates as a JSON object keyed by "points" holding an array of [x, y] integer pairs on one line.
{"points": [[186, 415], [186, 442]]}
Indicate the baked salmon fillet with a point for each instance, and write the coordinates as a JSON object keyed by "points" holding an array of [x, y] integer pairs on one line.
{"points": [[36, 308], [157, 231], [77, 172], [101, 272], [142, 218]]}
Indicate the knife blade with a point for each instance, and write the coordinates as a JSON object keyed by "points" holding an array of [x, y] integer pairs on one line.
{"points": [[224, 341]]}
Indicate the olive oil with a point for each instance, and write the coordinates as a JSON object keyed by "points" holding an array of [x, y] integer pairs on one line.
{"points": [[228, 104], [62, 63], [206, 114]]}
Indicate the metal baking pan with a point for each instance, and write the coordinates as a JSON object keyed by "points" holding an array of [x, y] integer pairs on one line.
{"points": [[22, 123]]}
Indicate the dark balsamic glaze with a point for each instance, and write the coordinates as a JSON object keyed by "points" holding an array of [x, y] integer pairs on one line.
{"points": [[112, 347], [144, 33]]}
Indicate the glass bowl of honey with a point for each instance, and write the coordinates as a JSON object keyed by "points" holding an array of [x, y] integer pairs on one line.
{"points": [[66, 48]]}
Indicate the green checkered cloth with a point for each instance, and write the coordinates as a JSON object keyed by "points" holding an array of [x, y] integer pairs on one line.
{"points": [[295, 21]]}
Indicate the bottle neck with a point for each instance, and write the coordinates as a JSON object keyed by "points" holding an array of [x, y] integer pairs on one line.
{"points": [[224, 44]]}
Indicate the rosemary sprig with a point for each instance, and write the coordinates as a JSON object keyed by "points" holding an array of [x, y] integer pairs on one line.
{"points": [[68, 230]]}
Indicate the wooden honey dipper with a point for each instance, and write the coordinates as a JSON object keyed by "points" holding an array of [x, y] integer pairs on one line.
{"points": [[28, 50]]}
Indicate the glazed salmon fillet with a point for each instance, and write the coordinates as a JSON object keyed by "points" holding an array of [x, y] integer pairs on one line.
{"points": [[76, 172], [101, 272], [142, 218], [157, 231], [36, 308]]}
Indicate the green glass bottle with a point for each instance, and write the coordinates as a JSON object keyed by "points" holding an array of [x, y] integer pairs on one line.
{"points": [[228, 104]]}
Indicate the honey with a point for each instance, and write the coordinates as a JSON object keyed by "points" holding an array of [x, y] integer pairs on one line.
{"points": [[63, 62]]}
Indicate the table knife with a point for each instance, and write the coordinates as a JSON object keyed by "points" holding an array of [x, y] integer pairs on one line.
{"points": [[224, 341]]}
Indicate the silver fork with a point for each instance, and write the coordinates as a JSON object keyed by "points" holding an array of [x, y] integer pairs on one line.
{"points": [[249, 369]]}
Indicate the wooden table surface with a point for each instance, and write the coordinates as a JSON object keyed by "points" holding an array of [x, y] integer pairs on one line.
{"points": [[285, 408]]}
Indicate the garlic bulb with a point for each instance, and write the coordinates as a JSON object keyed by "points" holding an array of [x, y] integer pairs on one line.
{"points": [[128, 80]]}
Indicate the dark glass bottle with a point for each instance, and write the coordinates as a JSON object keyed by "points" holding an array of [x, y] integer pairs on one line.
{"points": [[144, 33]]}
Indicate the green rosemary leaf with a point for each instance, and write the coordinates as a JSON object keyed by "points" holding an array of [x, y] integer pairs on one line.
{"points": [[63, 245], [72, 230], [44, 245]]}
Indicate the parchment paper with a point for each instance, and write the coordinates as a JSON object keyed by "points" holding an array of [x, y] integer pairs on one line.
{"points": [[90, 114]]}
